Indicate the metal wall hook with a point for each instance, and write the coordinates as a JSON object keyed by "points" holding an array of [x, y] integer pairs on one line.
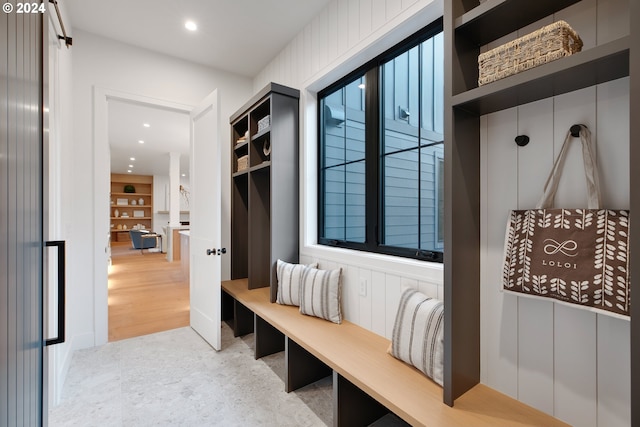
{"points": [[522, 140], [575, 130]]}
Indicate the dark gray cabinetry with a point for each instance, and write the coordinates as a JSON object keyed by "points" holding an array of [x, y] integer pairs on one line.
{"points": [[468, 25], [264, 194]]}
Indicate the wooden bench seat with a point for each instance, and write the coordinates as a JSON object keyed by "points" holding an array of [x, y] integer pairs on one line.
{"points": [[360, 356]]}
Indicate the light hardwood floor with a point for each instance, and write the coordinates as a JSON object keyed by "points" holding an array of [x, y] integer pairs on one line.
{"points": [[147, 293]]}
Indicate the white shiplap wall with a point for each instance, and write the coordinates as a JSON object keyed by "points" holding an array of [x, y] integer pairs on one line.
{"points": [[375, 307], [570, 363], [343, 36]]}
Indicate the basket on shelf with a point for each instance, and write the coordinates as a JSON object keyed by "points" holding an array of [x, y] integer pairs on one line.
{"points": [[264, 123], [547, 44], [243, 163]]}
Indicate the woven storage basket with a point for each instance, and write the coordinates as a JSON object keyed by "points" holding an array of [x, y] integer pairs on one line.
{"points": [[544, 45], [243, 163], [264, 122]]}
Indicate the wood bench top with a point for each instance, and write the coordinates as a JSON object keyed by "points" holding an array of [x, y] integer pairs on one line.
{"points": [[361, 356]]}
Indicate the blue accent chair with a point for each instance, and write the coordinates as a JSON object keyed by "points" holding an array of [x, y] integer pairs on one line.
{"points": [[142, 239]]}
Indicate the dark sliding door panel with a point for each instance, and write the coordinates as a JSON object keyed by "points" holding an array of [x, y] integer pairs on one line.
{"points": [[21, 225]]}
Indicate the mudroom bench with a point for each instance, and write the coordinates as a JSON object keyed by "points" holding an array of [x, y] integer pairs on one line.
{"points": [[368, 383]]}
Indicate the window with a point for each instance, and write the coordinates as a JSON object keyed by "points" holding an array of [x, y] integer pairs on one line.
{"points": [[344, 163], [381, 153]]}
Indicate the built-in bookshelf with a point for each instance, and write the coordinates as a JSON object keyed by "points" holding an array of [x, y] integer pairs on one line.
{"points": [[128, 209]]}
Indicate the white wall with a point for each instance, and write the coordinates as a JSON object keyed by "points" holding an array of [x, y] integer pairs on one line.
{"points": [[569, 363], [112, 66]]}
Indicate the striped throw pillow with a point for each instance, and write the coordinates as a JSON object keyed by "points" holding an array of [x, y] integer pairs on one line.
{"points": [[418, 337], [320, 294], [288, 276]]}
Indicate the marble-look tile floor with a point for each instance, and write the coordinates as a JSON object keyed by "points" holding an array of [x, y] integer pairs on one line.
{"points": [[175, 378]]}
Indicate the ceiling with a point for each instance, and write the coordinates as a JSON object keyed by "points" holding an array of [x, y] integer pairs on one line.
{"points": [[168, 131], [239, 36]]}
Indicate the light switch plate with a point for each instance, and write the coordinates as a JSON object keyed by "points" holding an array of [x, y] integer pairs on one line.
{"points": [[363, 287]]}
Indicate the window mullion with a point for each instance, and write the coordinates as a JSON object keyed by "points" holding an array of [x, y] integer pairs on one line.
{"points": [[372, 150], [344, 166], [321, 168], [419, 148]]}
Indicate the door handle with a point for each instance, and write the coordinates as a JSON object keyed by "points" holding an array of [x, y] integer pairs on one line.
{"points": [[60, 245], [222, 251], [212, 251]]}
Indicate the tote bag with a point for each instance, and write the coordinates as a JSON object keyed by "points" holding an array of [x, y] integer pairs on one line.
{"points": [[573, 256]]}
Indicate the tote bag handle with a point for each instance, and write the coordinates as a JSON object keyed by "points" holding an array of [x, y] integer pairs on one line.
{"points": [[590, 171]]}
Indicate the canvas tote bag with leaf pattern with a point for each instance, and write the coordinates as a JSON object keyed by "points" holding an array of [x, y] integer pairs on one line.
{"points": [[574, 256]]}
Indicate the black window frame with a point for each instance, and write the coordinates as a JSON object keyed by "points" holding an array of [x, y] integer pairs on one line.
{"points": [[374, 217]]}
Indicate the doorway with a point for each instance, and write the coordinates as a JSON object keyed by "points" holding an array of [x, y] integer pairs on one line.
{"points": [[148, 292], [103, 100]]}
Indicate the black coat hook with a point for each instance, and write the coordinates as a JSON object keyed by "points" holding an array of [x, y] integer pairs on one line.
{"points": [[575, 130], [522, 140]]}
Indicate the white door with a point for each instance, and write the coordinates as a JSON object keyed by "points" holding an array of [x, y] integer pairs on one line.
{"points": [[205, 221]]}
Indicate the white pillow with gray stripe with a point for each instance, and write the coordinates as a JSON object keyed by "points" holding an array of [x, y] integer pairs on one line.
{"points": [[320, 294], [288, 276], [418, 337]]}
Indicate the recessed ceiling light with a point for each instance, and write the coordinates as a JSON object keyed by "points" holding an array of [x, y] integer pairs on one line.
{"points": [[132, 159], [147, 125], [130, 166], [129, 171], [184, 174], [140, 141], [190, 25]]}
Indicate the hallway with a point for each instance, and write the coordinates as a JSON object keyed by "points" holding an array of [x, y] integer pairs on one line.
{"points": [[147, 293], [174, 378]]}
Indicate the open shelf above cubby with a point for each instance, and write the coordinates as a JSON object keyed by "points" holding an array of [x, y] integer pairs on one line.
{"points": [[243, 172], [241, 146], [260, 134], [496, 18], [261, 167], [260, 151], [593, 66]]}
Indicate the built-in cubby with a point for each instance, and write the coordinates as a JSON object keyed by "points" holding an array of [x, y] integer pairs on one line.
{"points": [[261, 149], [240, 143], [469, 25], [264, 206], [239, 225], [259, 228]]}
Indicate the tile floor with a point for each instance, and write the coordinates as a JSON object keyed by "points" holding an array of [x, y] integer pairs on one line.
{"points": [[174, 378]]}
